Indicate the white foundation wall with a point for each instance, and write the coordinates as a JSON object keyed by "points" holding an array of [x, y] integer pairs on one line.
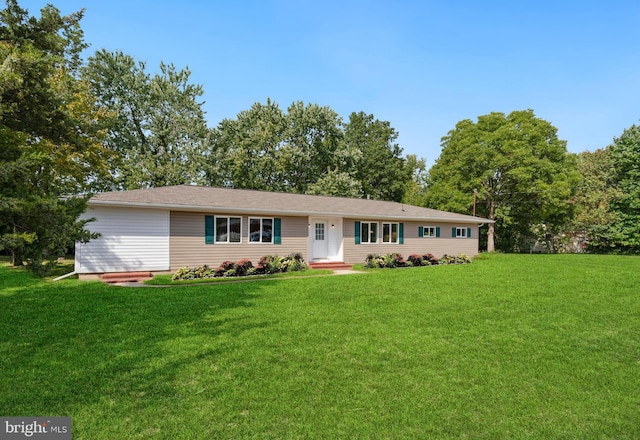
{"points": [[131, 240]]}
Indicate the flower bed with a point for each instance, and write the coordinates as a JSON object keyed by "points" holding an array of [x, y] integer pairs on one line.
{"points": [[269, 264], [396, 260]]}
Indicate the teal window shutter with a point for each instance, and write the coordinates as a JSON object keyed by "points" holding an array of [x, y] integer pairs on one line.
{"points": [[357, 232], [437, 231], [277, 228], [209, 229], [421, 231], [468, 232], [453, 232], [401, 232]]}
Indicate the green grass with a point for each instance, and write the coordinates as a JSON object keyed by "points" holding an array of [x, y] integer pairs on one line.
{"points": [[509, 347]]}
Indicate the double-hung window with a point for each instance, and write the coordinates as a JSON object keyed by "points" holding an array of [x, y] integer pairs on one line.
{"points": [[368, 232], [390, 232], [260, 230], [429, 231], [228, 229], [461, 232]]}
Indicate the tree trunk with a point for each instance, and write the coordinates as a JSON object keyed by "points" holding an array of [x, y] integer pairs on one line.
{"points": [[491, 247]]}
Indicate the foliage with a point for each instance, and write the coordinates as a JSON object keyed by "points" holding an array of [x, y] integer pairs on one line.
{"points": [[382, 171], [183, 273], [308, 149], [51, 142], [336, 183], [521, 171], [416, 189], [242, 267], [157, 128], [429, 259], [224, 267], [619, 228], [453, 259], [373, 261], [415, 260], [268, 264], [293, 263]]}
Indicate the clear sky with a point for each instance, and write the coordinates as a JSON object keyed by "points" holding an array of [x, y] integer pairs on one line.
{"points": [[421, 65]]}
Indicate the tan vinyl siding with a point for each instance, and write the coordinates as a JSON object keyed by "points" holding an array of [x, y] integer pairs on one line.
{"points": [[413, 244], [188, 246]]}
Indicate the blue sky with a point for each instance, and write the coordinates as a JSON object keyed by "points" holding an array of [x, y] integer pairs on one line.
{"points": [[421, 65]]}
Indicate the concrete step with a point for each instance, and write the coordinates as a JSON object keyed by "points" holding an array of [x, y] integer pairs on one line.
{"points": [[125, 277], [333, 265]]}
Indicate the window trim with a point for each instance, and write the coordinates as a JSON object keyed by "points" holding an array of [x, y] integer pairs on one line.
{"points": [[434, 229], [215, 229], [369, 235], [273, 221], [390, 224], [463, 232]]}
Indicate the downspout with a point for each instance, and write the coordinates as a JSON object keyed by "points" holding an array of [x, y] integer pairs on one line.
{"points": [[62, 277]]}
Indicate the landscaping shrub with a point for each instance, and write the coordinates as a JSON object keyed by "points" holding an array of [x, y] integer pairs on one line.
{"points": [[224, 268], [415, 260], [203, 272], [293, 263], [429, 260], [183, 273], [242, 267], [269, 264], [398, 260]]}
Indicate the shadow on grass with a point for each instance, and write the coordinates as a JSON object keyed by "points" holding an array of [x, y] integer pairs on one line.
{"points": [[66, 347]]}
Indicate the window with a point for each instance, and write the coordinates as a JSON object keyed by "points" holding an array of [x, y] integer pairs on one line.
{"points": [[320, 231], [368, 232], [261, 230], [461, 232], [390, 233], [429, 231], [228, 229]]}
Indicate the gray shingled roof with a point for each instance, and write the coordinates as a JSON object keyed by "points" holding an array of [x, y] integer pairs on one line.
{"points": [[242, 201]]}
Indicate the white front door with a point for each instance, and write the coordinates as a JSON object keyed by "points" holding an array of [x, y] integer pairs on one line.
{"points": [[320, 239]]}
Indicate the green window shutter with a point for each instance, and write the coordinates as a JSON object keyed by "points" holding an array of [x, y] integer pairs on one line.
{"points": [[468, 232], [209, 229], [401, 232], [357, 232], [420, 231], [277, 228], [437, 231], [453, 232]]}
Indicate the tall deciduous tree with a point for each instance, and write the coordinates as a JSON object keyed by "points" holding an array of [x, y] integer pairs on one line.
{"points": [[621, 231], [382, 171], [521, 171], [245, 151], [157, 125], [51, 143], [266, 148], [594, 194]]}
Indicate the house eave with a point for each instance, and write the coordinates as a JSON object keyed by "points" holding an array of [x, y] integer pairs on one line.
{"points": [[285, 212]]}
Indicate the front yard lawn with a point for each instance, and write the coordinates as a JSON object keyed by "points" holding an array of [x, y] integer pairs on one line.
{"points": [[511, 346]]}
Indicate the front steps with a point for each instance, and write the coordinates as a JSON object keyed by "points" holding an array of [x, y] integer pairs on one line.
{"points": [[333, 265], [125, 277]]}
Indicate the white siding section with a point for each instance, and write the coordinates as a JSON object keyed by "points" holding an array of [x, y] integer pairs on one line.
{"points": [[131, 240]]}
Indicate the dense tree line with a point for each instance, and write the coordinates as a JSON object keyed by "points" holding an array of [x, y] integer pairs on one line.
{"points": [[71, 127]]}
